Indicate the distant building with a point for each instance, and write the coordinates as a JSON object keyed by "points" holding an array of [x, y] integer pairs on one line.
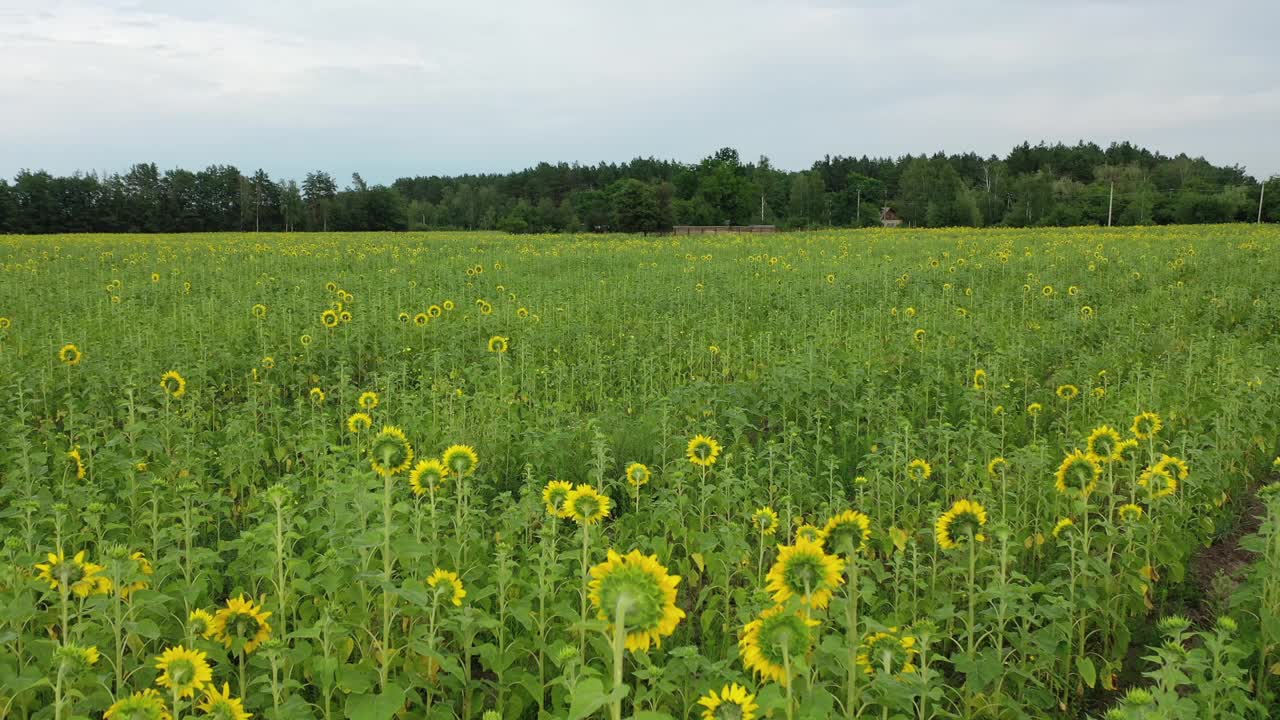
{"points": [[889, 218], [719, 229]]}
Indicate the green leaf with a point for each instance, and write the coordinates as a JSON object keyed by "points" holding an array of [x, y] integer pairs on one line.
{"points": [[379, 706], [1087, 671], [588, 696]]}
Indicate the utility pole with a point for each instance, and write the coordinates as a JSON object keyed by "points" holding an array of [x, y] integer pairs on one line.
{"points": [[761, 208], [859, 207], [1262, 192], [1110, 202]]}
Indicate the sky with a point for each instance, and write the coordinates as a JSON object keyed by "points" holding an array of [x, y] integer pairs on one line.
{"points": [[417, 87]]}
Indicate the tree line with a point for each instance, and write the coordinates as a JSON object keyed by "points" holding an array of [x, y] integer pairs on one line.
{"points": [[1033, 185]]}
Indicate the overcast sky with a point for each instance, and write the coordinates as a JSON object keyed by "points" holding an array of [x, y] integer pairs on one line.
{"points": [[407, 87]]}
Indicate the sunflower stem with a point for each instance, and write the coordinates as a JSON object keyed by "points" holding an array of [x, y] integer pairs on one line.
{"points": [[851, 618], [786, 671], [619, 645]]}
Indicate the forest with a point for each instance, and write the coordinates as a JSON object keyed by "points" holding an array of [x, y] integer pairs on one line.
{"points": [[1033, 185]]}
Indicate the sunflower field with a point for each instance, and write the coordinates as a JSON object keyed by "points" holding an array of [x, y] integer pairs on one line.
{"points": [[847, 474]]}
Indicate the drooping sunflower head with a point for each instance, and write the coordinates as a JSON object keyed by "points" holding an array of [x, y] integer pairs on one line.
{"points": [[638, 474], [359, 422], [979, 379], [585, 506], [222, 705], [918, 336], [637, 587], [183, 671], [733, 702], [70, 355], [200, 623], [173, 384], [241, 626], [259, 310], [764, 639], [1078, 475], [74, 659], [1104, 444], [497, 344], [317, 396], [964, 520], [1158, 481], [806, 571], [1177, 467], [1062, 526], [890, 652], [918, 470], [368, 400], [390, 452], [997, 467], [554, 496], [1068, 392], [77, 462], [78, 575], [1130, 512], [847, 533], [427, 476], [145, 705], [1034, 409], [765, 520], [1146, 425], [703, 451], [460, 459], [448, 585]]}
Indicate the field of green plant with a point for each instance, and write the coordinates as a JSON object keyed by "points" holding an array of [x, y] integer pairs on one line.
{"points": [[854, 474]]}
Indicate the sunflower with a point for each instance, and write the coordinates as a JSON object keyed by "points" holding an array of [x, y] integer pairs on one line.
{"points": [[1078, 474], [918, 336], [241, 625], [1068, 392], [1129, 512], [74, 455], [329, 318], [183, 671], [1175, 466], [451, 585], [919, 470], [145, 705], [460, 459], [554, 495], [964, 520], [390, 452], [305, 340], [200, 623], [70, 355], [485, 307], [497, 344], [143, 569], [268, 363], [847, 532], [733, 702], [222, 706], [331, 286], [1158, 481], [403, 316], [448, 305], [426, 476], [979, 379], [1126, 451], [765, 520], [173, 384], [997, 467], [317, 396], [703, 451], [638, 474], [75, 659], [5, 323], [1104, 444], [420, 319], [359, 422], [77, 575], [804, 570], [434, 311], [368, 400], [522, 313], [1063, 525], [1146, 425], [808, 531], [1034, 409], [345, 316], [1086, 312], [639, 588], [585, 506], [764, 639], [1047, 291], [259, 310], [887, 651]]}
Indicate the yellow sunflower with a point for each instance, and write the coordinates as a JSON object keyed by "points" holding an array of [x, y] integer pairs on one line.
{"points": [[733, 702], [847, 532], [241, 626], [808, 531], [317, 396], [345, 316], [997, 466], [637, 587], [390, 452], [460, 459], [1146, 425], [77, 575], [359, 422], [1158, 482], [445, 581], [1068, 392], [1034, 409], [143, 569], [426, 476], [1129, 512], [889, 651], [448, 305], [979, 379], [173, 384], [497, 344], [585, 506], [806, 571], [421, 319], [145, 705], [183, 671], [259, 310], [1104, 444], [919, 470], [75, 457], [638, 474], [69, 354], [764, 639], [368, 400], [965, 519], [765, 520], [434, 311], [703, 451], [1078, 474], [329, 318], [200, 623], [554, 495], [1063, 525], [222, 706], [1175, 466]]}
